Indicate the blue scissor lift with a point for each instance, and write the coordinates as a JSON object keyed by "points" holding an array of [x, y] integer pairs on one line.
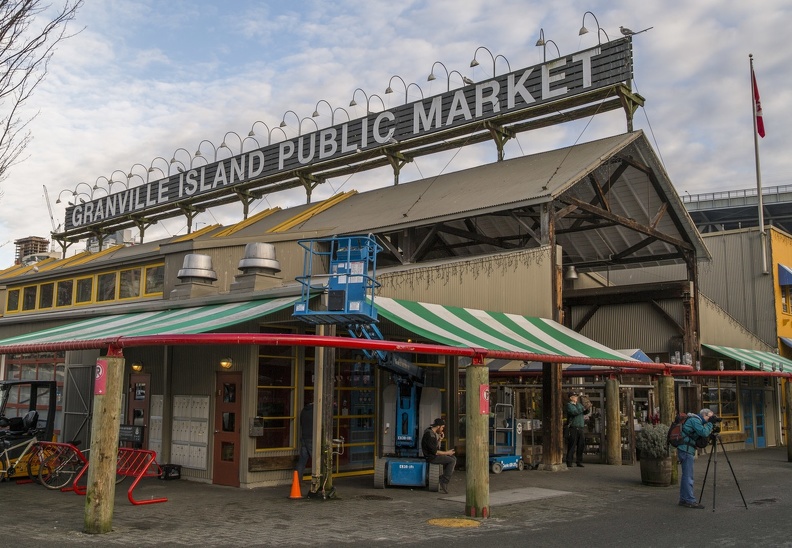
{"points": [[345, 267], [505, 433]]}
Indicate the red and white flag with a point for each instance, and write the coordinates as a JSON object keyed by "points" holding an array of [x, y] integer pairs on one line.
{"points": [[757, 107]]}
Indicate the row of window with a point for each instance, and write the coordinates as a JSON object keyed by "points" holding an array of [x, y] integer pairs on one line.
{"points": [[97, 288]]}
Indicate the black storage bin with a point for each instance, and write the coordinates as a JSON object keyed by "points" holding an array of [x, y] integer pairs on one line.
{"points": [[170, 471]]}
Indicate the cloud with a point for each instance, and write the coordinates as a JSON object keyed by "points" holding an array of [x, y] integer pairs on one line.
{"points": [[145, 78]]}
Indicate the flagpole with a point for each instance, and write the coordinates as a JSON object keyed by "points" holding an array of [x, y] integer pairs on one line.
{"points": [[762, 234]]}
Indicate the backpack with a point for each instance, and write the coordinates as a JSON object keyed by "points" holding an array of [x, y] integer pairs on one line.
{"points": [[676, 437]]}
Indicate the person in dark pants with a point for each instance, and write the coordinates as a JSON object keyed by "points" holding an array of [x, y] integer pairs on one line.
{"points": [[576, 441], [430, 445], [306, 438], [696, 427]]}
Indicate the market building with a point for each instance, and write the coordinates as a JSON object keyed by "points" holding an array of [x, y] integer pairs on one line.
{"points": [[521, 255]]}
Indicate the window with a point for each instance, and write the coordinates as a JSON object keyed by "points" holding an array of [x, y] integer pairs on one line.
{"points": [[275, 395], [155, 279], [106, 287], [29, 298], [42, 366], [785, 299], [13, 300], [129, 287], [65, 290], [46, 294], [720, 395], [84, 290], [354, 418]]}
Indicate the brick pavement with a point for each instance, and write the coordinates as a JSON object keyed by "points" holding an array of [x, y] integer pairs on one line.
{"points": [[606, 504]]}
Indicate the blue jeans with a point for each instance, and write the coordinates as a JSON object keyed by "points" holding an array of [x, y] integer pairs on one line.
{"points": [[305, 454], [686, 483]]}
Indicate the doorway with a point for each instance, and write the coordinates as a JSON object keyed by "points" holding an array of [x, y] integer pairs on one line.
{"points": [[753, 408], [228, 407]]}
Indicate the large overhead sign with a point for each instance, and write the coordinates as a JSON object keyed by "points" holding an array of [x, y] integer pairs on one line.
{"points": [[580, 72]]}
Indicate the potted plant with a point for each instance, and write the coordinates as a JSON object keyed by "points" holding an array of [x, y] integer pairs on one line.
{"points": [[655, 458]]}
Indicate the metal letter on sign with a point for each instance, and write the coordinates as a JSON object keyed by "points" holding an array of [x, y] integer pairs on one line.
{"points": [[484, 393], [100, 383]]}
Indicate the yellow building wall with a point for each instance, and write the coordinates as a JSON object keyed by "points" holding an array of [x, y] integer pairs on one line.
{"points": [[781, 246]]}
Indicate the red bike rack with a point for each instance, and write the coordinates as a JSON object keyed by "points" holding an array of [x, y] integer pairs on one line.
{"points": [[134, 463]]}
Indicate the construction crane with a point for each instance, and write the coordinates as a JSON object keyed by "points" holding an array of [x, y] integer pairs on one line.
{"points": [[49, 207]]}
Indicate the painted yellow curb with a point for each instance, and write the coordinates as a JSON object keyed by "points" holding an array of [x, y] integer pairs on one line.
{"points": [[453, 522]]}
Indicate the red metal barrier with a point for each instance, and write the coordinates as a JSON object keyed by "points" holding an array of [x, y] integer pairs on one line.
{"points": [[134, 463]]}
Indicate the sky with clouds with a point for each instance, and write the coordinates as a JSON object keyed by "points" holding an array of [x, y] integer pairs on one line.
{"points": [[148, 78]]}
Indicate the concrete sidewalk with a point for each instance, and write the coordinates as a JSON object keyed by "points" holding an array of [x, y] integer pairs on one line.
{"points": [[598, 505]]}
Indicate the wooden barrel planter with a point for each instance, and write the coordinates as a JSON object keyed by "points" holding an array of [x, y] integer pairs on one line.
{"points": [[656, 472]]}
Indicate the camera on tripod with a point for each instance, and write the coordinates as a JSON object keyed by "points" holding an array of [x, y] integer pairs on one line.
{"points": [[715, 420]]}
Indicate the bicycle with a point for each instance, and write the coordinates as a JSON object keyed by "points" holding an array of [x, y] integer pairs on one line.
{"points": [[63, 465], [32, 456]]}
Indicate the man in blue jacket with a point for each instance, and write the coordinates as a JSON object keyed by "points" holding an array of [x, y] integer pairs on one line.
{"points": [[696, 427]]}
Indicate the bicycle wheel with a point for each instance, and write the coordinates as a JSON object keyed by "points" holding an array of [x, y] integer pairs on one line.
{"points": [[59, 470], [34, 461]]}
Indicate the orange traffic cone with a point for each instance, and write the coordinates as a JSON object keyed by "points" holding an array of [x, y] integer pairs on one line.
{"points": [[295, 490]]}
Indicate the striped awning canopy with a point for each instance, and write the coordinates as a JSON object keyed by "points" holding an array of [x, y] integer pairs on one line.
{"points": [[468, 327], [199, 319], [758, 359], [784, 275]]}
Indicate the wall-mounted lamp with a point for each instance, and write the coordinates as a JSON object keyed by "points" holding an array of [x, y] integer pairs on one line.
{"points": [[720, 365], [761, 366], [698, 365], [137, 367], [571, 273], [226, 363], [742, 366]]}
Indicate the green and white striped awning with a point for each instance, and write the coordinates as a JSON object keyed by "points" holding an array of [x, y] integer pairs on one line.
{"points": [[468, 327], [758, 359], [200, 319]]}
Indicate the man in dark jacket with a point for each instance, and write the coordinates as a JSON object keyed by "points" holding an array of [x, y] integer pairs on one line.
{"points": [[696, 427], [576, 440], [430, 446], [306, 438]]}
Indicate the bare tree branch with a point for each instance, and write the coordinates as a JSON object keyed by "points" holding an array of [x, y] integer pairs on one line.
{"points": [[29, 33]]}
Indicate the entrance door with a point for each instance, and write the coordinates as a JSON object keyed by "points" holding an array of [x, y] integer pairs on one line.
{"points": [[138, 403], [753, 417], [228, 407]]}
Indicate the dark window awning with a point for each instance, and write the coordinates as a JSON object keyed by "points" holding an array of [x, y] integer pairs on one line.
{"points": [[758, 359], [192, 320], [784, 275], [472, 328]]}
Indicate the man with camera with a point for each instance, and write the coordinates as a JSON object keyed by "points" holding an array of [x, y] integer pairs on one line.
{"points": [[696, 431]]}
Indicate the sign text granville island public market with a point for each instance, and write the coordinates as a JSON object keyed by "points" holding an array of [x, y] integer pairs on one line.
{"points": [[590, 69]]}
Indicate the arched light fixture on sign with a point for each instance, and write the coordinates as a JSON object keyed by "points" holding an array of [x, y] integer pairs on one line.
{"points": [[475, 63], [583, 30]]}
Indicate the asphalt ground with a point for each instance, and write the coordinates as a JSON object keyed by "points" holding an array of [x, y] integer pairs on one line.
{"points": [[598, 505]]}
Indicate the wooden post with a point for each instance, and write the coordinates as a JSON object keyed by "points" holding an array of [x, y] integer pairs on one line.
{"points": [[613, 422], [327, 414], [665, 385], [552, 414], [477, 443], [100, 496]]}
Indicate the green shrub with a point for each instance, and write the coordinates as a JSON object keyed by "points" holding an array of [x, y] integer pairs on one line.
{"points": [[652, 441]]}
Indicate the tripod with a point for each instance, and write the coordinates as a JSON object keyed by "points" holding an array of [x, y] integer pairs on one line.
{"points": [[713, 458]]}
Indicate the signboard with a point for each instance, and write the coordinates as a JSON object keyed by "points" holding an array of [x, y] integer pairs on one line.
{"points": [[130, 433], [100, 382], [484, 399], [584, 71]]}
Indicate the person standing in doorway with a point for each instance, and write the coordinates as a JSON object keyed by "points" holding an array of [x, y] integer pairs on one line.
{"points": [[430, 445], [306, 438], [576, 440]]}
